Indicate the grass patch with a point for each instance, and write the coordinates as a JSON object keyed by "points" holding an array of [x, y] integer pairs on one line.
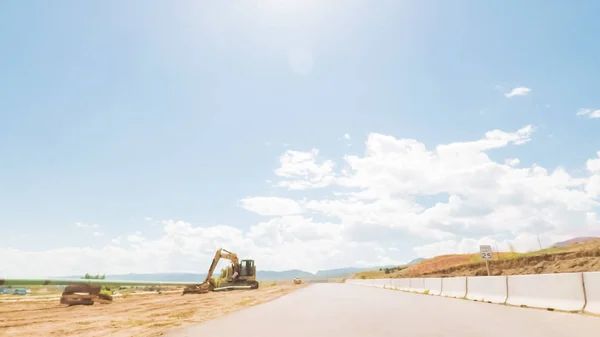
{"points": [[106, 294], [426, 292], [165, 324], [273, 284], [129, 323], [244, 302], [182, 314]]}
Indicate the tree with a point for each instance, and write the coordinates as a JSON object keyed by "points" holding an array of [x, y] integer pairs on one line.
{"points": [[512, 249], [92, 277]]}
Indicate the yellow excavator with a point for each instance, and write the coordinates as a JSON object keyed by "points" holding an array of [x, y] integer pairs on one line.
{"points": [[243, 273]]}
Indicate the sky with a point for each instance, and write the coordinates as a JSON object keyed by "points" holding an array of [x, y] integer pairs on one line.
{"points": [[140, 136]]}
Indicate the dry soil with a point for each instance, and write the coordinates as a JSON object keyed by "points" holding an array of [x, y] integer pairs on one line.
{"points": [[579, 257], [140, 315]]}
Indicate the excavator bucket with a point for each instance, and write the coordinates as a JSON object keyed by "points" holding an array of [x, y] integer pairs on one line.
{"points": [[199, 288], [84, 294]]}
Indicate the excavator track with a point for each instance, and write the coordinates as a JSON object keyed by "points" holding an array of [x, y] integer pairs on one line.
{"points": [[242, 283], [253, 284]]}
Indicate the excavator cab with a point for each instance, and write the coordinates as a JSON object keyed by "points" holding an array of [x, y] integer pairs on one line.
{"points": [[248, 269]]}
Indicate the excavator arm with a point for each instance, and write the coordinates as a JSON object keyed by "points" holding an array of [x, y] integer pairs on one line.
{"points": [[223, 254]]}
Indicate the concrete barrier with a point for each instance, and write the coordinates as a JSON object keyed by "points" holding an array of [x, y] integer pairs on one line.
{"points": [[433, 285], [378, 283], [382, 283], [547, 291], [417, 284], [404, 284], [454, 287], [387, 283], [592, 292], [396, 283], [487, 289]]}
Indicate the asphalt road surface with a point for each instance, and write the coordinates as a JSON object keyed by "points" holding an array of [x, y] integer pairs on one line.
{"points": [[346, 310]]}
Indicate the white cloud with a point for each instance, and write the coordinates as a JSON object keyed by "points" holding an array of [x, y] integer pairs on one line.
{"points": [[593, 165], [593, 184], [522, 243], [147, 218], [512, 161], [272, 206], [347, 136], [303, 167], [591, 113], [135, 238], [86, 225], [398, 200], [98, 234], [519, 91]]}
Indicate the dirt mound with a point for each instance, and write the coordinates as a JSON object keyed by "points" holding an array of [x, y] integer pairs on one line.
{"points": [[437, 263], [565, 262], [579, 256]]}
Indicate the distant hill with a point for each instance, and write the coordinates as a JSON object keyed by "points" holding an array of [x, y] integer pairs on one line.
{"points": [[340, 272], [415, 261], [192, 277], [262, 275], [346, 272], [282, 275], [573, 241], [159, 277]]}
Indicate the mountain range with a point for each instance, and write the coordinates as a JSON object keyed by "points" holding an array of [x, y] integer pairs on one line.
{"points": [[262, 275], [573, 241]]}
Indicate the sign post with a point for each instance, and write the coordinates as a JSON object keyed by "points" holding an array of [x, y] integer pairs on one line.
{"points": [[486, 253]]}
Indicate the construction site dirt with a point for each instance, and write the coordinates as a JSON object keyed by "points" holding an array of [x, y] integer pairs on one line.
{"points": [[580, 257], [146, 315], [567, 262]]}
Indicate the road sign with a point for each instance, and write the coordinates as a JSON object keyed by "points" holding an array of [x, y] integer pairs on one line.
{"points": [[486, 252]]}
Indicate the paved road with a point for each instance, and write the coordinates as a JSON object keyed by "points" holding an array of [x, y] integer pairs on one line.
{"points": [[346, 310]]}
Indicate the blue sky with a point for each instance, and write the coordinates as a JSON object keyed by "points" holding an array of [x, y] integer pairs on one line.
{"points": [[112, 112]]}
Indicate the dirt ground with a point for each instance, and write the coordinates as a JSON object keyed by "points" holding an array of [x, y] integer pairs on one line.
{"points": [[139, 316], [577, 257], [564, 262]]}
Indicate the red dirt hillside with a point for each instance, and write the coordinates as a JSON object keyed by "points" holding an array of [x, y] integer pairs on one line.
{"points": [[575, 255]]}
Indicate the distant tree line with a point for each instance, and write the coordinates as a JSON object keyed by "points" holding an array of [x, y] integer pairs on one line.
{"points": [[92, 277], [392, 269]]}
